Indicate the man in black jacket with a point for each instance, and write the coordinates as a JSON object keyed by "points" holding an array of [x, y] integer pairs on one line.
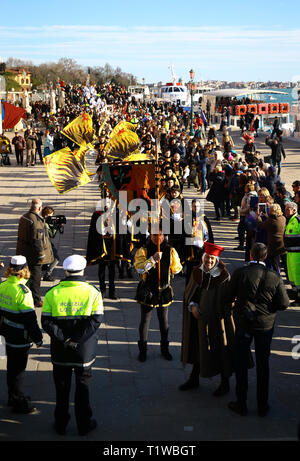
{"points": [[258, 293], [277, 151]]}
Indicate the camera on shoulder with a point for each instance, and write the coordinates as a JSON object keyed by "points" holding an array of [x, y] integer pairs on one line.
{"points": [[57, 221]]}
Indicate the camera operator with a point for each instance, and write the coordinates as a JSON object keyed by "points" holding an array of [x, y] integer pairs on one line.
{"points": [[53, 225]]}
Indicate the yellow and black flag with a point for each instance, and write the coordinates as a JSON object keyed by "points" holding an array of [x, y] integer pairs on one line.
{"points": [[66, 169], [80, 130]]}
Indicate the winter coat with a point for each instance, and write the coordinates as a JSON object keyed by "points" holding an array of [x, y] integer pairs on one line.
{"points": [[272, 296], [208, 340], [270, 183], [33, 240], [216, 191], [277, 150], [274, 227]]}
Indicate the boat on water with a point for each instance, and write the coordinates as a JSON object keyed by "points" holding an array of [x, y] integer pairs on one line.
{"points": [[241, 102], [176, 93]]}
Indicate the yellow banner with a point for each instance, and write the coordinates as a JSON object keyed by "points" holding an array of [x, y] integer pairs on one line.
{"points": [[80, 130], [66, 170]]}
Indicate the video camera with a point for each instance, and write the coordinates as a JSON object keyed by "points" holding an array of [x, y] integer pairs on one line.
{"points": [[57, 221]]}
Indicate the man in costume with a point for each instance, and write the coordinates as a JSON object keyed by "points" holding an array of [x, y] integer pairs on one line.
{"points": [[208, 328], [152, 292], [104, 247], [201, 231]]}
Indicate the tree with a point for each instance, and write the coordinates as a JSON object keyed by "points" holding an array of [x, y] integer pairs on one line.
{"points": [[70, 71], [11, 83]]}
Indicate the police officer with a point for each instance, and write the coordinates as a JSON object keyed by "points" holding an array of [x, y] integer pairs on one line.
{"points": [[291, 241], [72, 313], [18, 324]]}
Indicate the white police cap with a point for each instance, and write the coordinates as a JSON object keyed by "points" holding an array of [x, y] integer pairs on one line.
{"points": [[74, 263], [18, 262]]}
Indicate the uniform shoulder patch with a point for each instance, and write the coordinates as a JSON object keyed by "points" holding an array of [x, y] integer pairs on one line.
{"points": [[24, 288]]}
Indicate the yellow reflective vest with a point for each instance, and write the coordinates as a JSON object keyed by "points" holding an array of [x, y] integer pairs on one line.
{"points": [[73, 310]]}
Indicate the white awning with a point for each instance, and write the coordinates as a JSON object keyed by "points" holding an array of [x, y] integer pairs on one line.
{"points": [[234, 92]]}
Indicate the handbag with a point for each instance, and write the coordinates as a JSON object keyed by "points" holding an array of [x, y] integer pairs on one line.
{"points": [[249, 309]]}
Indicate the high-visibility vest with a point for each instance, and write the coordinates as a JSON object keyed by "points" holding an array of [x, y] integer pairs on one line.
{"points": [[19, 322], [292, 245], [72, 299], [15, 296]]}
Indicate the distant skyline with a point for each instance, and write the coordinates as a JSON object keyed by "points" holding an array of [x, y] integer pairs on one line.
{"points": [[233, 41]]}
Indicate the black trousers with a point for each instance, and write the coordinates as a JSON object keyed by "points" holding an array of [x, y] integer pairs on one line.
{"points": [[62, 378], [162, 315], [34, 282], [102, 264], [39, 152], [262, 343], [19, 156], [16, 365]]}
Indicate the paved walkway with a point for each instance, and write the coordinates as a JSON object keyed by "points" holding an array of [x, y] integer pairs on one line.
{"points": [[134, 401]]}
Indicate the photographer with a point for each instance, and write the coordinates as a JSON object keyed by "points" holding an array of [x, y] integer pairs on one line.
{"points": [[53, 225]]}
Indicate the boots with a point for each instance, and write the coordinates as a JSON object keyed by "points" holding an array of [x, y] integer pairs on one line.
{"points": [[193, 381], [223, 389], [112, 294], [164, 348], [143, 351], [23, 405]]}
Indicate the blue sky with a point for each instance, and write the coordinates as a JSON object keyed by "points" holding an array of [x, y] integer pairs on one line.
{"points": [[226, 40]]}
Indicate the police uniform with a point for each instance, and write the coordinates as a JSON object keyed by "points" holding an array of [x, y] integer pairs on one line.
{"points": [[292, 245], [71, 315], [20, 328]]}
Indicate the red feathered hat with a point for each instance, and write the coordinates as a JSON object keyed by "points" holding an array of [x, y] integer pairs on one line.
{"points": [[212, 249]]}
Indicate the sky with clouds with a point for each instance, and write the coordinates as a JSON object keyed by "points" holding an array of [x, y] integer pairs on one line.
{"points": [[233, 40]]}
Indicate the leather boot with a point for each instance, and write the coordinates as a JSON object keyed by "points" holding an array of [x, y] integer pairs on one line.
{"points": [[223, 389], [164, 348], [143, 351], [193, 381]]}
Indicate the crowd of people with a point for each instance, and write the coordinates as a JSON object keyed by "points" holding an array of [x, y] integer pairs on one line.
{"points": [[219, 321]]}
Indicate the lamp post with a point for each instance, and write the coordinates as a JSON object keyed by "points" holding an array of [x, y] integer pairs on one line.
{"points": [[192, 87]]}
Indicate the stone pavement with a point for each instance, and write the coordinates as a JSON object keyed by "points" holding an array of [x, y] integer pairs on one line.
{"points": [[135, 401]]}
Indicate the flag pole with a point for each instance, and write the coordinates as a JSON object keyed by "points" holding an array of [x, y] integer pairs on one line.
{"points": [[157, 207]]}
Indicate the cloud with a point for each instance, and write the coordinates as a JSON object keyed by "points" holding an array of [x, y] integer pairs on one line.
{"points": [[243, 47]]}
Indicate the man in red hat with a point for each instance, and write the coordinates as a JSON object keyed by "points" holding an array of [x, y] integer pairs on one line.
{"points": [[208, 329]]}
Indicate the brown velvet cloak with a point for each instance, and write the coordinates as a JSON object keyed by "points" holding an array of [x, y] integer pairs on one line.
{"points": [[210, 339]]}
